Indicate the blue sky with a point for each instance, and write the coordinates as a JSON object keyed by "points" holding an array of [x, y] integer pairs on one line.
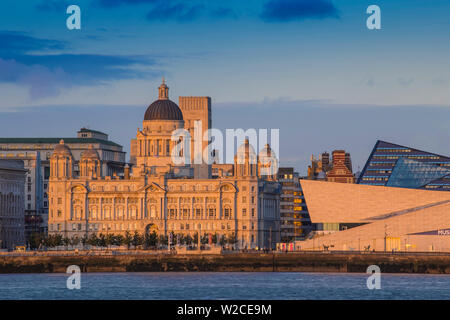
{"points": [[312, 61]]}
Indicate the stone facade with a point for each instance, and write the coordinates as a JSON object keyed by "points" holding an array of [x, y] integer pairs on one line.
{"points": [[157, 194], [35, 154], [12, 187]]}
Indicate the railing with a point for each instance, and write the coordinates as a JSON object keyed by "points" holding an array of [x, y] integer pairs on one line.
{"points": [[225, 252]]}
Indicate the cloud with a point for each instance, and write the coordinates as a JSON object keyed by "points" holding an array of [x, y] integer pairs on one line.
{"points": [[290, 10], [180, 12], [53, 5], [46, 73], [115, 3], [13, 43]]}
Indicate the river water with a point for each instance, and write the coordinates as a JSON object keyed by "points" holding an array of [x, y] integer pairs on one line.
{"points": [[224, 285]]}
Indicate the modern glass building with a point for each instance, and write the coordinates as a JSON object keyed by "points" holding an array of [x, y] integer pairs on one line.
{"points": [[394, 165]]}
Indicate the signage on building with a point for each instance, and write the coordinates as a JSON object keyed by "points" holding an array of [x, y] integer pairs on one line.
{"points": [[439, 232]]}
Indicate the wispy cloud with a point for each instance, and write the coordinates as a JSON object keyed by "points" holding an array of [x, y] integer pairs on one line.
{"points": [[115, 3], [38, 65], [290, 10], [181, 12]]}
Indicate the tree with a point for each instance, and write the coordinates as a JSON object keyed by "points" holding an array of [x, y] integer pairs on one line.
{"points": [[222, 240], [204, 239], [84, 240], [163, 239], [119, 240], [128, 239], [151, 239], [102, 240], [195, 239], [93, 240], [231, 239], [66, 242], [35, 240], [137, 239], [188, 239], [109, 240]]}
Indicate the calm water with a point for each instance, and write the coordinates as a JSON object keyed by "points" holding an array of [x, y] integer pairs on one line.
{"points": [[223, 286]]}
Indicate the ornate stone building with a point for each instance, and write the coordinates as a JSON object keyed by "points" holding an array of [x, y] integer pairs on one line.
{"points": [[157, 194], [12, 182], [35, 153]]}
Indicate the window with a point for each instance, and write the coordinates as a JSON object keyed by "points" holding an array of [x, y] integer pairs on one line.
{"points": [[253, 212], [244, 199], [244, 212]]}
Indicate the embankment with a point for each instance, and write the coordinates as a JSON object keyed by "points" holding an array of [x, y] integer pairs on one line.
{"points": [[253, 262]]}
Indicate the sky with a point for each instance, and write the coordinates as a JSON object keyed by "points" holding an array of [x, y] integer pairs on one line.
{"points": [[310, 68]]}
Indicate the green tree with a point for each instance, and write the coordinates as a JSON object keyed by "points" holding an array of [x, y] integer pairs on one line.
{"points": [[109, 240], [93, 240], [119, 240], [84, 240], [188, 239], [35, 240], [163, 239], [66, 242], [102, 240], [151, 239], [222, 240], [137, 239], [128, 239]]}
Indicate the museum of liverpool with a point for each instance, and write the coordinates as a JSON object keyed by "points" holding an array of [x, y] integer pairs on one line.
{"points": [[401, 202]]}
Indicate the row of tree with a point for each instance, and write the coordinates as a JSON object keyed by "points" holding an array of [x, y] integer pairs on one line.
{"points": [[135, 240]]}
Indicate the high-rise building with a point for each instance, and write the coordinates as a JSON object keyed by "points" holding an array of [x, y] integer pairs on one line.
{"points": [[12, 187], [295, 222], [35, 154], [395, 165]]}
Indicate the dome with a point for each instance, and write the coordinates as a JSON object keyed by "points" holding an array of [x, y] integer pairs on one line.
{"points": [[62, 149], [267, 152], [245, 152], [90, 153], [163, 108], [246, 148]]}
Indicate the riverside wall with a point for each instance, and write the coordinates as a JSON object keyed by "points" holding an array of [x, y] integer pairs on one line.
{"points": [[235, 262]]}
